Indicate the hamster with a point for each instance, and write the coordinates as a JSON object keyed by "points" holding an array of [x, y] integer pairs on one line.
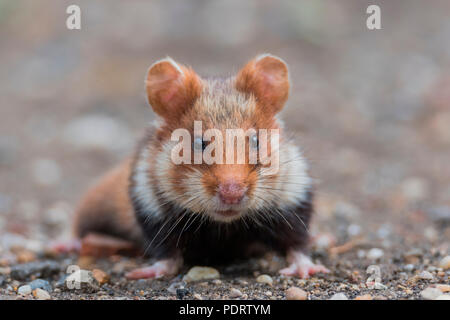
{"points": [[208, 213]]}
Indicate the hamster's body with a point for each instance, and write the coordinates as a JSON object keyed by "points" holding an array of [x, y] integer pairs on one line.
{"points": [[208, 213]]}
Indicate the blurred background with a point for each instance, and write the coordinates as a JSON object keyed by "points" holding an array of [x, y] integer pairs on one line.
{"points": [[370, 107]]}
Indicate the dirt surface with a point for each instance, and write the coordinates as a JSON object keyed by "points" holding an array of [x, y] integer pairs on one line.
{"points": [[370, 108]]}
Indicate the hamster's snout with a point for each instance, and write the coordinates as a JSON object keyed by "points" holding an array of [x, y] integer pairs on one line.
{"points": [[231, 192]]}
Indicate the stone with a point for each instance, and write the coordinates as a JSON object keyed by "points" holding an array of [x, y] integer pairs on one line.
{"points": [[425, 275], [324, 241], [25, 256], [81, 279], [415, 189], [264, 278], [201, 273], [181, 293], [430, 293], [174, 286], [413, 256], [409, 267], [40, 284], [443, 297], [339, 296], [197, 296], [235, 293], [379, 286], [445, 263], [41, 294], [354, 230], [443, 287], [100, 275], [364, 297], [295, 293], [24, 290], [375, 254]]}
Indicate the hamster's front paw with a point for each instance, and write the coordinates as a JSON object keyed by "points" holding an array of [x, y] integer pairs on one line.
{"points": [[159, 269], [63, 247], [300, 265]]}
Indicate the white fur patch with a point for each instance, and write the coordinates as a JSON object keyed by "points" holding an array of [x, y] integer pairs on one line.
{"points": [[287, 188], [142, 189]]}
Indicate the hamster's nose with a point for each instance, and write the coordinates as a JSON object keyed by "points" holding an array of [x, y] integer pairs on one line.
{"points": [[231, 192]]}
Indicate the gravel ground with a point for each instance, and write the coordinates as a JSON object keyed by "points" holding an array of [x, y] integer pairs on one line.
{"points": [[370, 108], [405, 272]]}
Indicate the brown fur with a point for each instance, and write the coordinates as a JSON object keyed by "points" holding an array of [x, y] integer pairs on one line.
{"points": [[170, 88], [107, 207]]}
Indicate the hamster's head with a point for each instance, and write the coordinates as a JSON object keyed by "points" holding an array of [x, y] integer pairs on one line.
{"points": [[220, 148]]}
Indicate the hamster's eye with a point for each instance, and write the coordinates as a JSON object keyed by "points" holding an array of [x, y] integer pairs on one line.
{"points": [[254, 143], [199, 144]]}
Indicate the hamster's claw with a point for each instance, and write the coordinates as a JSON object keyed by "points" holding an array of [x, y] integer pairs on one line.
{"points": [[302, 266]]}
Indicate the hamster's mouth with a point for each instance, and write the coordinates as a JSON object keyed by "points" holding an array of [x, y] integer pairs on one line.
{"points": [[228, 213]]}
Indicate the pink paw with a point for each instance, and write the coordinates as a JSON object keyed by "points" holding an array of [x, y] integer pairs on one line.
{"points": [[157, 270], [302, 266], [61, 247]]}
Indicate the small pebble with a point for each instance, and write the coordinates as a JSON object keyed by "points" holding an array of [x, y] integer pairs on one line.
{"points": [[379, 286], [197, 296], [375, 254], [353, 230], [242, 282], [430, 293], [324, 241], [361, 254], [174, 286], [264, 278], [413, 256], [339, 296], [100, 276], [181, 293], [25, 256], [80, 279], [295, 293], [41, 294], [201, 273], [443, 297], [40, 284], [445, 263], [425, 275], [364, 297], [443, 287], [24, 290], [5, 270], [235, 293], [409, 267]]}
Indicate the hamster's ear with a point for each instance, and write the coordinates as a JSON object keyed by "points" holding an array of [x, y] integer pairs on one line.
{"points": [[171, 88], [267, 78]]}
